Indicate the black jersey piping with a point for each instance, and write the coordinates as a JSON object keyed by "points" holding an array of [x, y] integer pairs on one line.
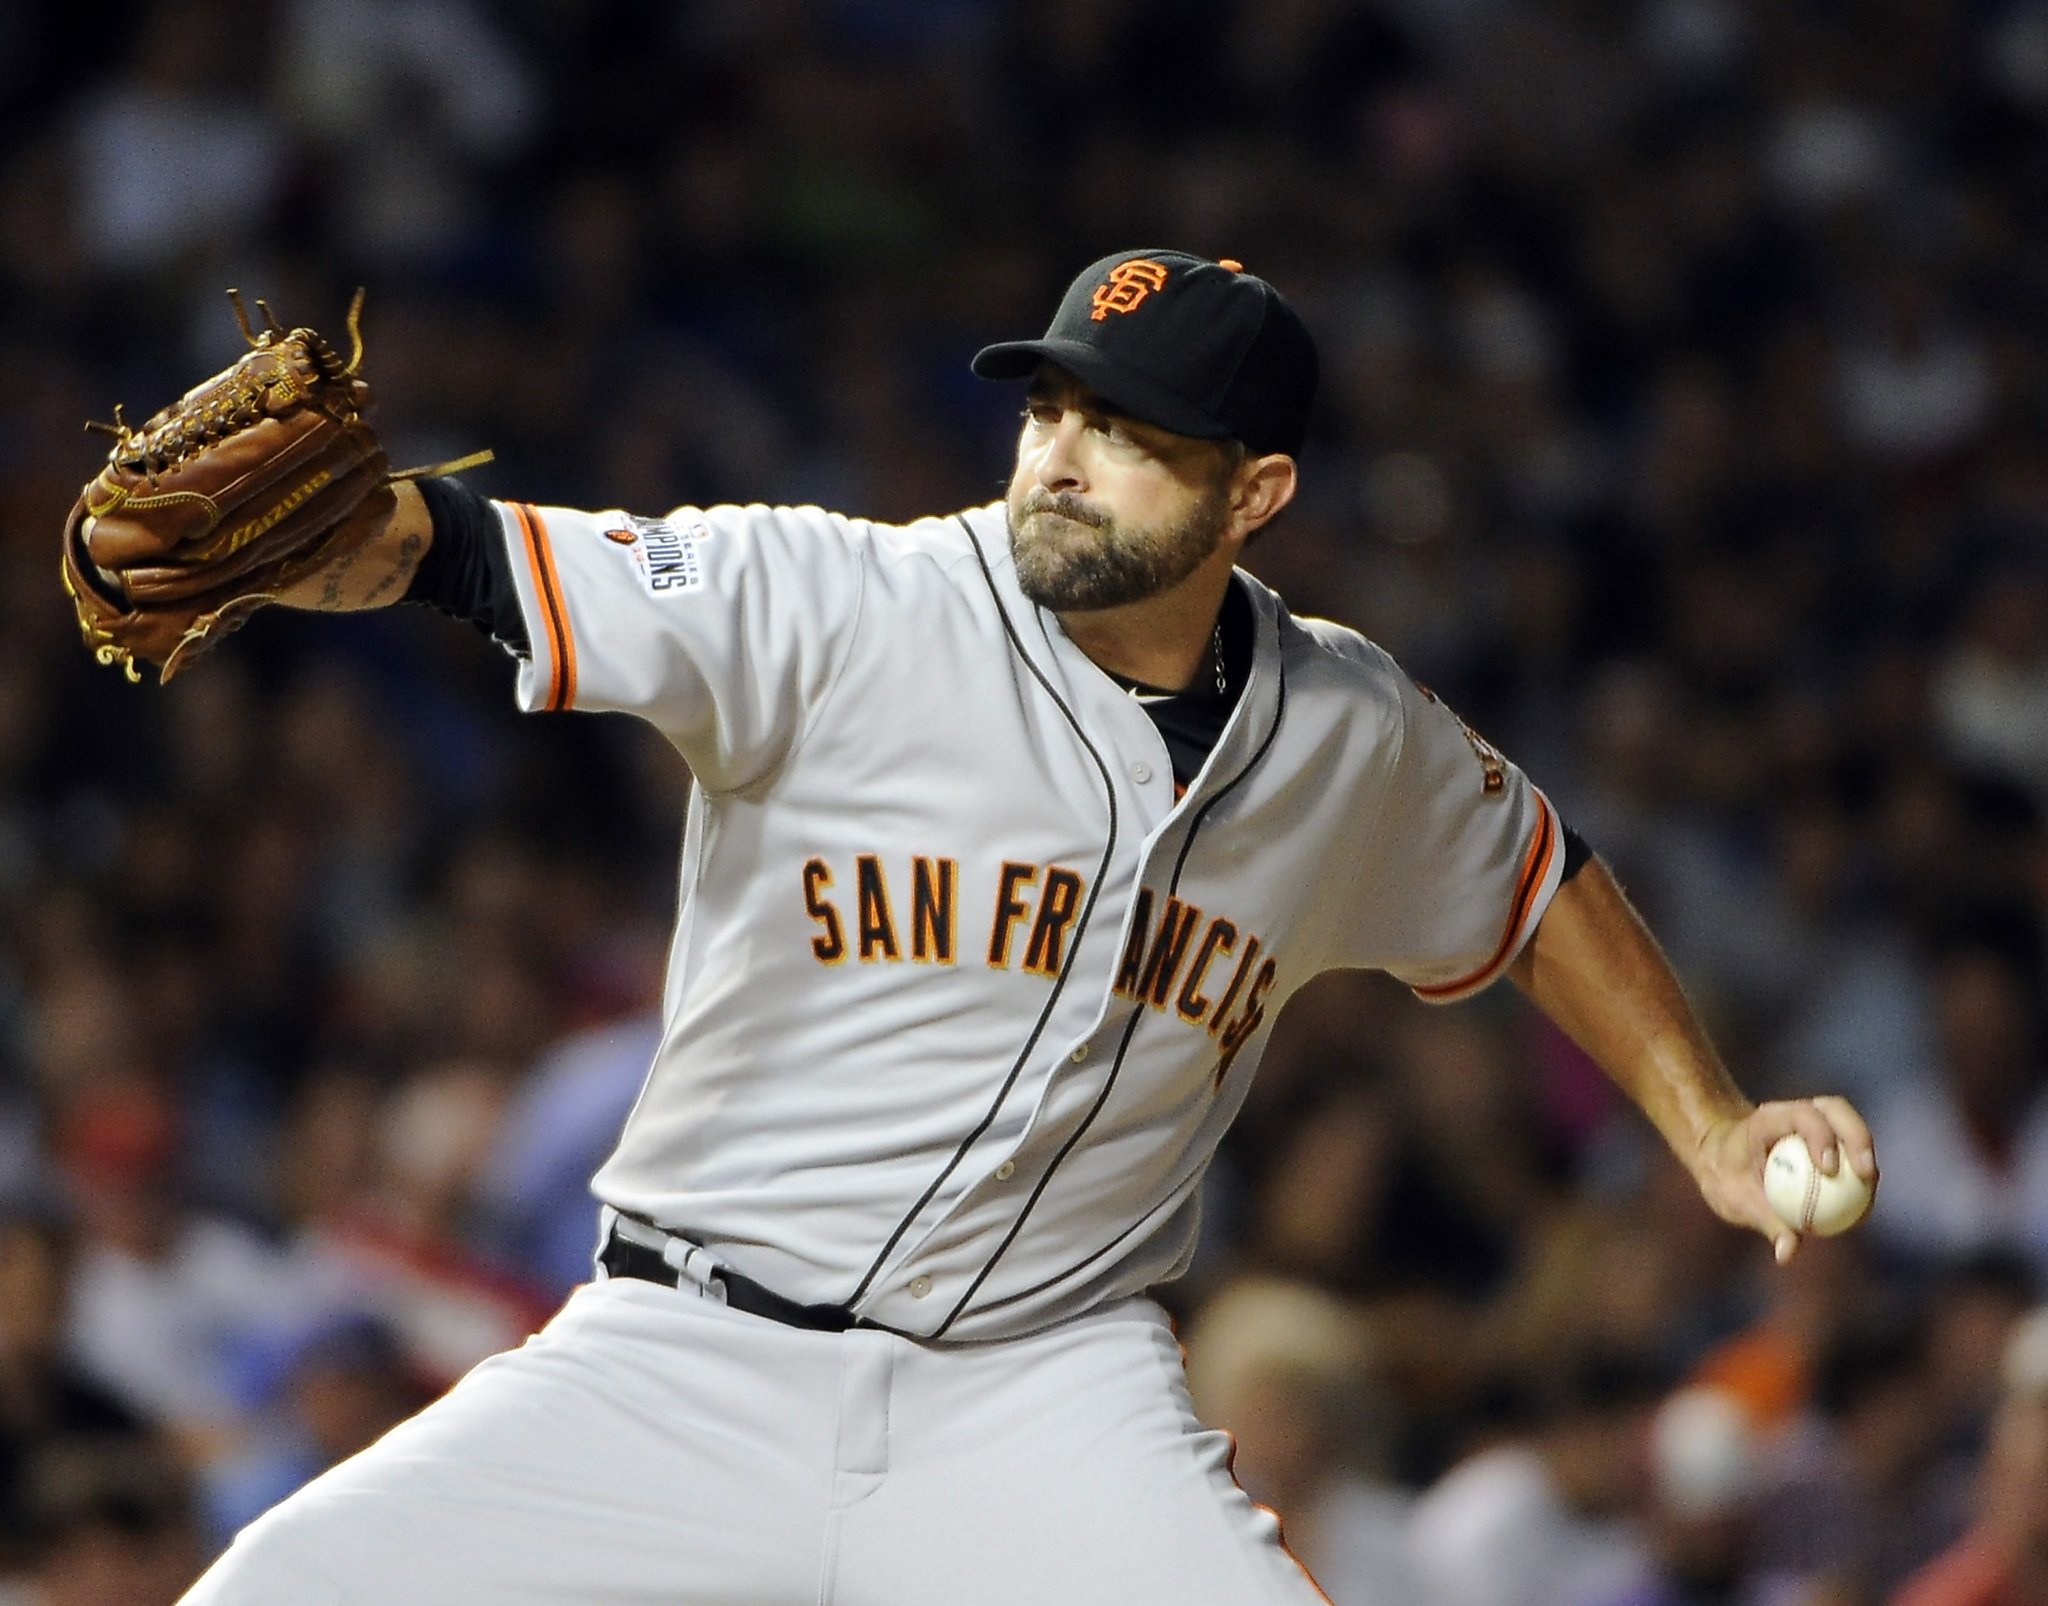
{"points": [[1079, 1266], [1122, 1048], [1073, 948], [1237, 780]]}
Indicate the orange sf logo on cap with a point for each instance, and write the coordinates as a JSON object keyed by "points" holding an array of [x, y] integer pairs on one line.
{"points": [[1128, 284]]}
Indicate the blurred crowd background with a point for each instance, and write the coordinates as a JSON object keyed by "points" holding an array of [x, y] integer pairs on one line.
{"points": [[1686, 375]]}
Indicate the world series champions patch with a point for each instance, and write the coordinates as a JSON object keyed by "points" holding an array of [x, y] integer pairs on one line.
{"points": [[666, 557]]}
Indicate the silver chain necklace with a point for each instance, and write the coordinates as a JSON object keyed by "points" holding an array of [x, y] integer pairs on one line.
{"points": [[1216, 646]]}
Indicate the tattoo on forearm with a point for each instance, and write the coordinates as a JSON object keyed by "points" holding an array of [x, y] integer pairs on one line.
{"points": [[401, 568], [330, 593]]}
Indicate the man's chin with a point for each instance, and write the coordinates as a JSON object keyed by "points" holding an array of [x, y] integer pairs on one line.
{"points": [[1072, 591], [1048, 546], [1049, 585]]}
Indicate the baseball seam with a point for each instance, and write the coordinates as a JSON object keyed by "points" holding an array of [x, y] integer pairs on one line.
{"points": [[1812, 1203]]}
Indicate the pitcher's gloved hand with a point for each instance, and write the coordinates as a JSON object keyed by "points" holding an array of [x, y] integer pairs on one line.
{"points": [[262, 476]]}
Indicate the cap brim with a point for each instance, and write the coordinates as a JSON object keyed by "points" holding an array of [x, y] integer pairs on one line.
{"points": [[1130, 393]]}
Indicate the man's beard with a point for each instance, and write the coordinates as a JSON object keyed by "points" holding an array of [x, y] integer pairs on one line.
{"points": [[1103, 563]]}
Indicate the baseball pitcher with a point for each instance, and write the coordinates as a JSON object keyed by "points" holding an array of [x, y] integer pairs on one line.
{"points": [[1014, 829]]}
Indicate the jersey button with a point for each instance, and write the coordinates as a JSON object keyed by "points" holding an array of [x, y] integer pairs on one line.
{"points": [[1141, 772], [1079, 1054], [1006, 1170], [920, 1285]]}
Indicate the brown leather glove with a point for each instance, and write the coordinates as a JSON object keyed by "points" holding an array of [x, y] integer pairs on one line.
{"points": [[242, 487]]}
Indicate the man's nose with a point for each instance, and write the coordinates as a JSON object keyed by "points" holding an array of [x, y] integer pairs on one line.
{"points": [[1059, 464]]}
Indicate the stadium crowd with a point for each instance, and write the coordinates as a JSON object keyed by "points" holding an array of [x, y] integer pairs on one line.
{"points": [[1686, 375]]}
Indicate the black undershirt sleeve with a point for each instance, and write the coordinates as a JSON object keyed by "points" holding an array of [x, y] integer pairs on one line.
{"points": [[1576, 852], [466, 571]]}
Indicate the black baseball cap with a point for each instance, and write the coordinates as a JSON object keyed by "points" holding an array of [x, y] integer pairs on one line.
{"points": [[1197, 347]]}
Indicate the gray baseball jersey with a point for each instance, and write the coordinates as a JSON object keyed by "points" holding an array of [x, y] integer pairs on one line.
{"points": [[962, 995]]}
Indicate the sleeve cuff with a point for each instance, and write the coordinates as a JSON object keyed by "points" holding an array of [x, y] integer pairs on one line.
{"points": [[1542, 872]]}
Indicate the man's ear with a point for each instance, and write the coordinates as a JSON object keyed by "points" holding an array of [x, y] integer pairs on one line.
{"points": [[1263, 486]]}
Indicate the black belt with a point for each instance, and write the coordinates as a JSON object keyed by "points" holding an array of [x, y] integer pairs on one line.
{"points": [[621, 1257]]}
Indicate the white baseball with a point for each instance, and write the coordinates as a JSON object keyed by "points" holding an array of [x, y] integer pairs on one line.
{"points": [[1807, 1198]]}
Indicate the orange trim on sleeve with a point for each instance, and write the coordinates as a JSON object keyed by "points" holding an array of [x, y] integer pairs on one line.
{"points": [[1535, 866], [547, 587]]}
